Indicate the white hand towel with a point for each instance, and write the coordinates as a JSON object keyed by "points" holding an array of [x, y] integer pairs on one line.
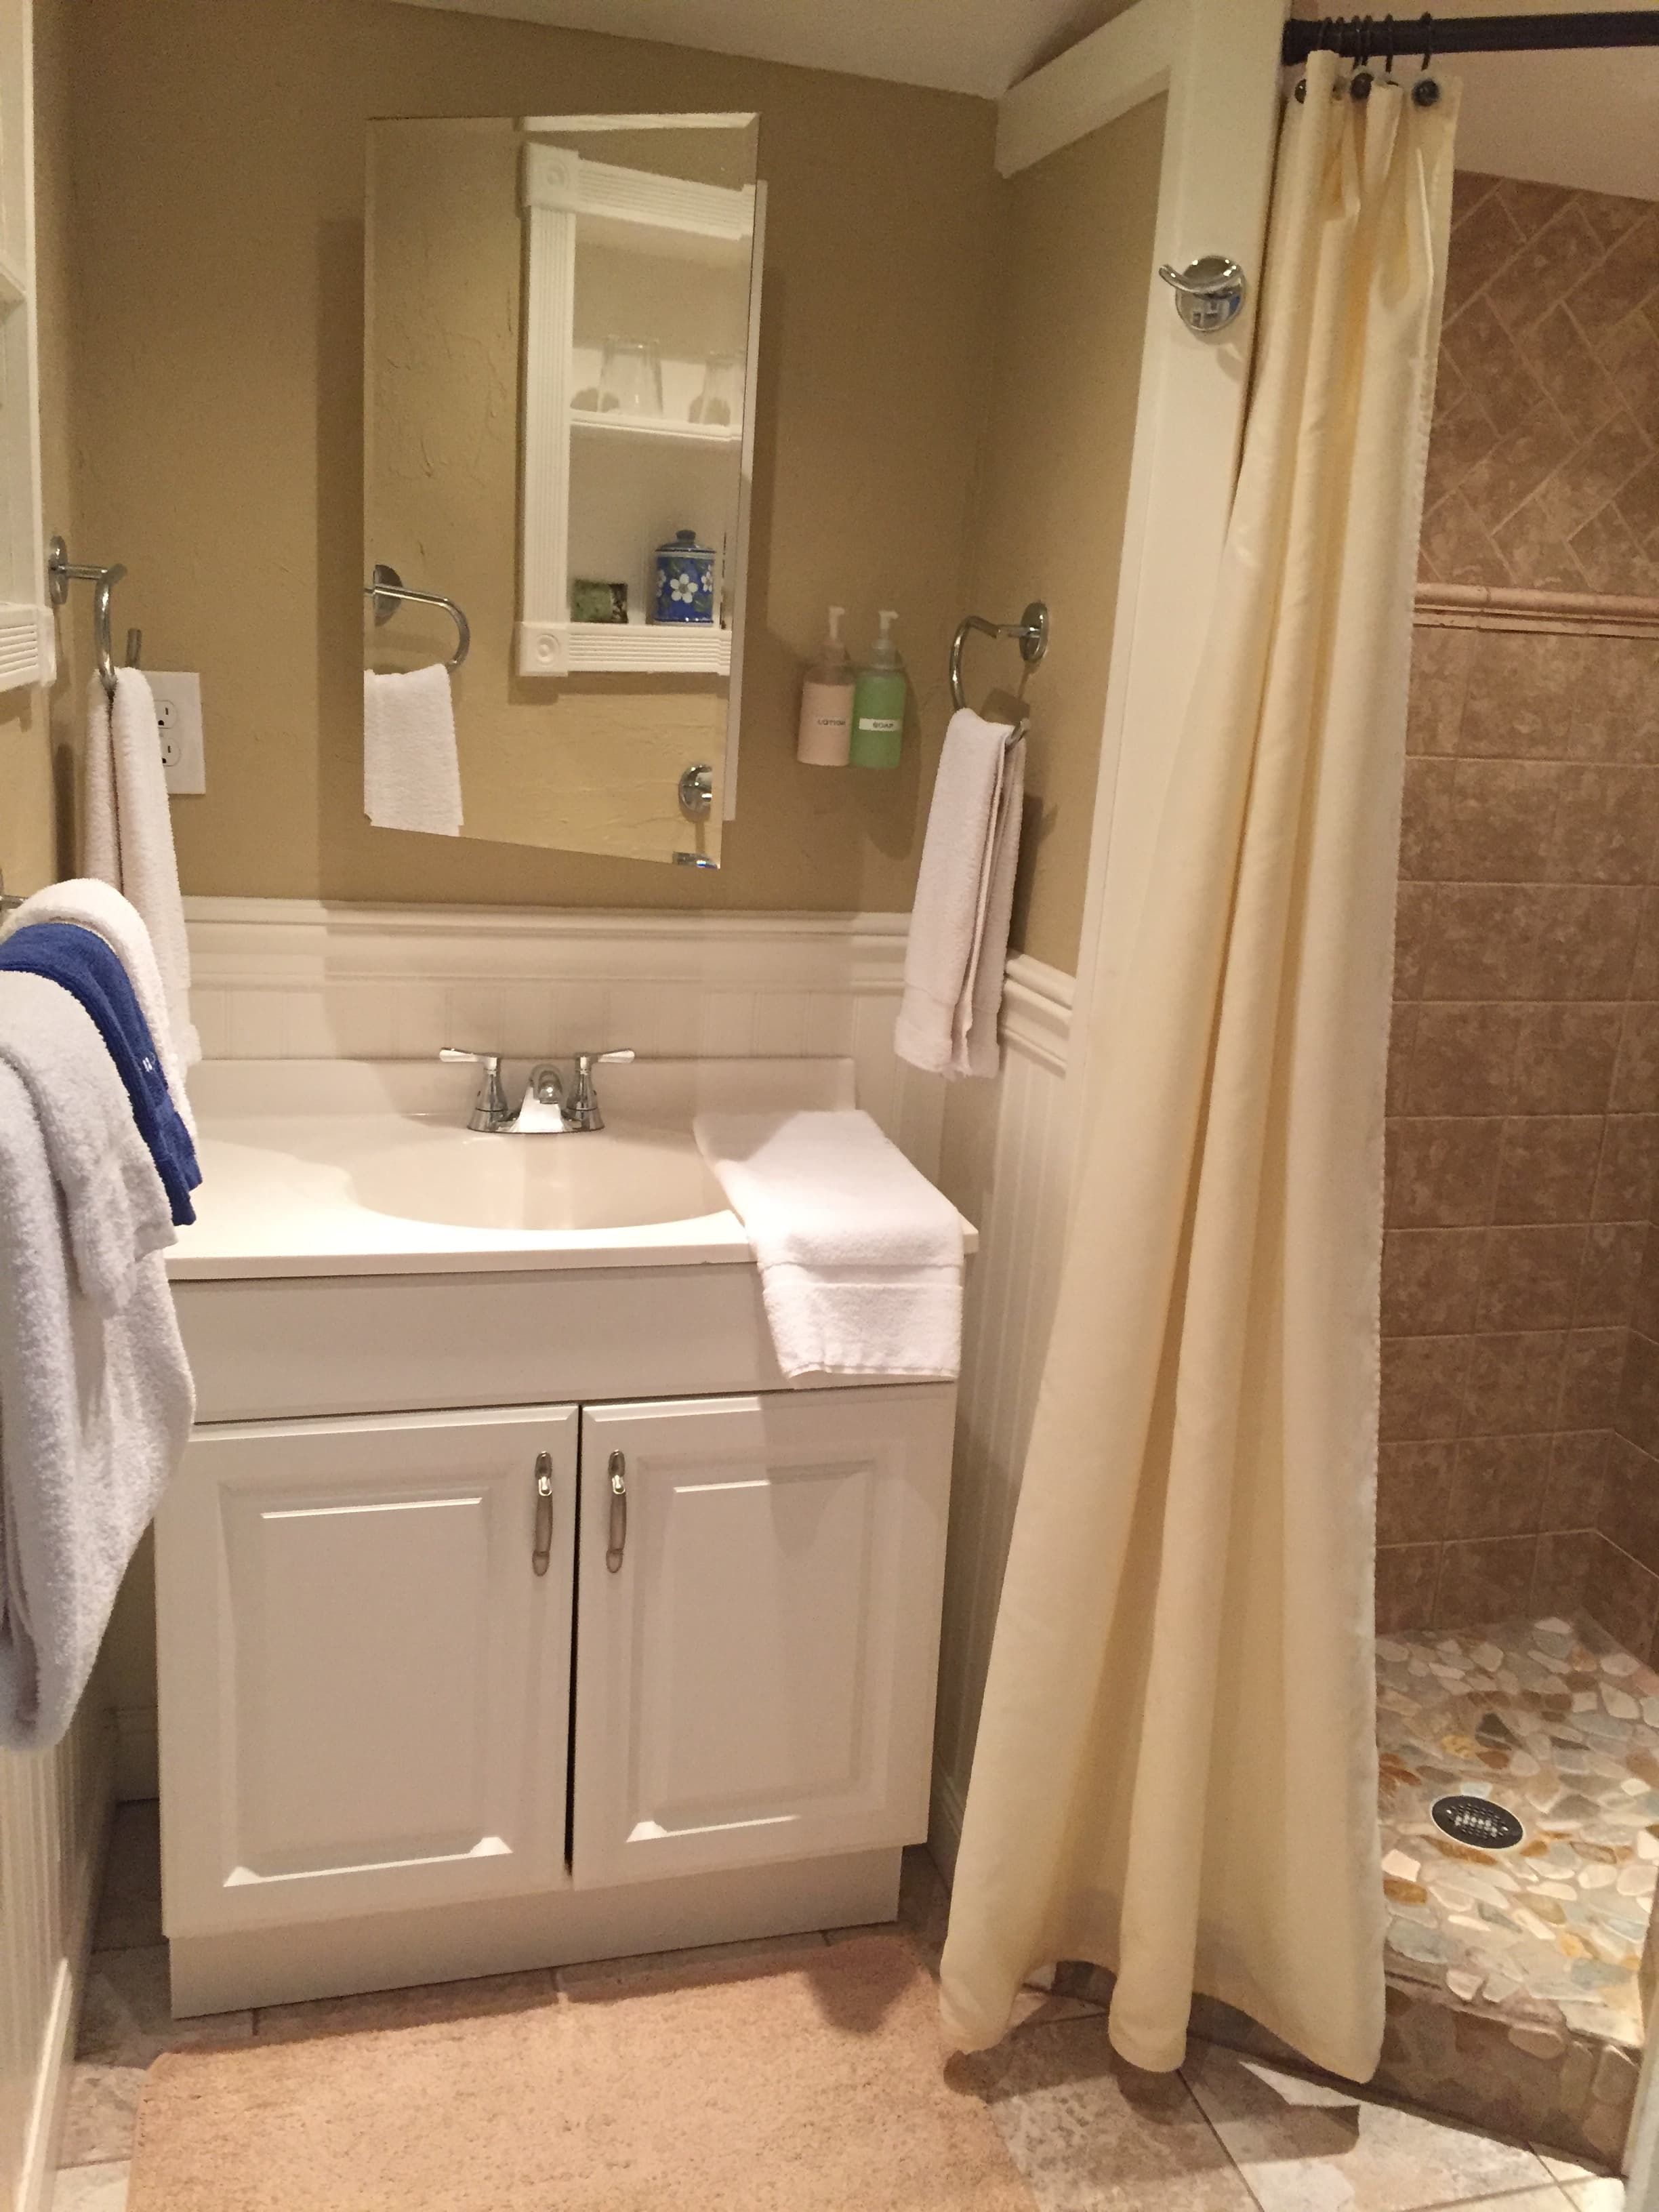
{"points": [[959, 944], [94, 1412], [860, 1258], [89, 903], [411, 769], [128, 836], [117, 1210]]}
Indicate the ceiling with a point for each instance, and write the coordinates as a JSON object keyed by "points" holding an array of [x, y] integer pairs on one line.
{"points": [[1589, 120], [957, 45]]}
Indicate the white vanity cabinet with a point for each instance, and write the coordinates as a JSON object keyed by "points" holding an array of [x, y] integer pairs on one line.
{"points": [[416, 1723], [759, 1626], [365, 1679]]}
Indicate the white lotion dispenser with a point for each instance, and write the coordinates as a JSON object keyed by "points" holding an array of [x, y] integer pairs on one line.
{"points": [[826, 703]]}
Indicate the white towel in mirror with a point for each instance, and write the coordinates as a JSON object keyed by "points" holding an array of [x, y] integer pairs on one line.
{"points": [[411, 768]]}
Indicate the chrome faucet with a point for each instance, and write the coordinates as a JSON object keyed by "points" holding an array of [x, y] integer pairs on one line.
{"points": [[547, 1108]]}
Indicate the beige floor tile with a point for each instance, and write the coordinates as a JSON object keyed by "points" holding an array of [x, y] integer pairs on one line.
{"points": [[101, 2188], [412, 2008], [1041, 2007], [130, 1907], [98, 2112], [1308, 2147], [126, 2014], [1091, 2135], [576, 1979]]}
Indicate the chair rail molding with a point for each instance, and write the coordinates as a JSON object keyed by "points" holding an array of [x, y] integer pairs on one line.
{"points": [[308, 979]]}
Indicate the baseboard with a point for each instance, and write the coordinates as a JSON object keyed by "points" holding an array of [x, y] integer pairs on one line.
{"points": [[944, 1824], [137, 1760], [227, 1972], [51, 2080]]}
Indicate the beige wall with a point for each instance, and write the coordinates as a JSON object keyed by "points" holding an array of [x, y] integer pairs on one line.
{"points": [[1076, 247], [35, 728], [51, 1805], [218, 170]]}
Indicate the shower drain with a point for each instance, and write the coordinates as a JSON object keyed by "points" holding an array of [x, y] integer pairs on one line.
{"points": [[1477, 1820]]}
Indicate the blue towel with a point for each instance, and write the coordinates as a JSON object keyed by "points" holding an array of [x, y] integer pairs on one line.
{"points": [[87, 968]]}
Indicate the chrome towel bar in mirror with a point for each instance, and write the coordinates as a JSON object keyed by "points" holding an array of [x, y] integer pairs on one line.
{"points": [[1031, 629], [387, 590]]}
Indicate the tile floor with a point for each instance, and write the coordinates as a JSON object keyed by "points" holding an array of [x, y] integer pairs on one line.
{"points": [[1228, 2134], [1555, 1722]]}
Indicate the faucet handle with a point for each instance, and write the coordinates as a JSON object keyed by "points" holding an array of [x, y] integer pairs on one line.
{"points": [[584, 1105], [490, 1107]]}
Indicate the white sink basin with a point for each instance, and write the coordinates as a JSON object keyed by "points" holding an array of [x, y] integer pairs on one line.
{"points": [[361, 1168], [619, 1177]]}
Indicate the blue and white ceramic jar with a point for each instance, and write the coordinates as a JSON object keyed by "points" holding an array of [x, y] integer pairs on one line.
{"points": [[685, 580]]}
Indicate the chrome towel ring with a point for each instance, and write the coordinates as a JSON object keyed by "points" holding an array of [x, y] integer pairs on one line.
{"points": [[61, 573], [387, 590], [1031, 629]]}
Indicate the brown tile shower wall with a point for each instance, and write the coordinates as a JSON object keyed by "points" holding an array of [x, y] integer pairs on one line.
{"points": [[1519, 1385]]}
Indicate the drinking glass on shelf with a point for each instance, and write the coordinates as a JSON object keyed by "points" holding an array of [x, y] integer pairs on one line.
{"points": [[631, 378], [721, 399]]}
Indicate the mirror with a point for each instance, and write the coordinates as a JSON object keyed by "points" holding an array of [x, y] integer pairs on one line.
{"points": [[562, 316]]}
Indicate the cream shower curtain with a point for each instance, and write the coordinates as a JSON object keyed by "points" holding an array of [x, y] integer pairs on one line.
{"points": [[1175, 1774]]}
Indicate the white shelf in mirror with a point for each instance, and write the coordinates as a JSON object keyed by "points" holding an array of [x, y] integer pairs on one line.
{"points": [[613, 424], [570, 648]]}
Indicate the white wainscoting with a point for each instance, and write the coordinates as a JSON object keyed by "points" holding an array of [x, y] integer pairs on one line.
{"points": [[296, 979], [53, 1814], [1006, 1163]]}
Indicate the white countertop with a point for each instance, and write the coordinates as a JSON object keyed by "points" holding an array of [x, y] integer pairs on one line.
{"points": [[307, 1166]]}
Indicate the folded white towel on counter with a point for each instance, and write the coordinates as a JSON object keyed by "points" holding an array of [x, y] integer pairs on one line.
{"points": [[115, 1208], [411, 768], [860, 1257], [95, 1410], [128, 837], [89, 903], [957, 948]]}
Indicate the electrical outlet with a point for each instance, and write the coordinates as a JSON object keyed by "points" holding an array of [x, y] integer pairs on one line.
{"points": [[179, 725]]}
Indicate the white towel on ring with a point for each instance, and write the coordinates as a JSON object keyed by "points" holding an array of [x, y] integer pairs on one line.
{"points": [[412, 767], [860, 1256], [957, 949], [128, 836]]}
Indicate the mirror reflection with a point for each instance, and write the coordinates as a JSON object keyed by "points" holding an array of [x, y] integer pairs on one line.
{"points": [[561, 318]]}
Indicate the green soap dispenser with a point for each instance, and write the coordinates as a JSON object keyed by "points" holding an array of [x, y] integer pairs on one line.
{"points": [[879, 703]]}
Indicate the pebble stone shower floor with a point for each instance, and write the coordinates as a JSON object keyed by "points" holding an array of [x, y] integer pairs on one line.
{"points": [[1552, 1720]]}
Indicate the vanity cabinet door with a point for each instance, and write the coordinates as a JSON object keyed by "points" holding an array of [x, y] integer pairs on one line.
{"points": [[758, 1627], [364, 1680]]}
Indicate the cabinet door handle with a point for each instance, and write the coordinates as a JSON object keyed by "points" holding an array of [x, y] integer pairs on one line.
{"points": [[618, 1543], [543, 1549]]}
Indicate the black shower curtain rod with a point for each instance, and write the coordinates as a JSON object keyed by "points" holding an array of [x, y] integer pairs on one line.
{"points": [[1373, 37]]}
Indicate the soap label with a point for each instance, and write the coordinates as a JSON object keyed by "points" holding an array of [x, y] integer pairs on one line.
{"points": [[881, 722]]}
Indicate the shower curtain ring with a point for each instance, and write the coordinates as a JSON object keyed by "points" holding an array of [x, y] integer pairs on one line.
{"points": [[1425, 92], [1388, 43]]}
